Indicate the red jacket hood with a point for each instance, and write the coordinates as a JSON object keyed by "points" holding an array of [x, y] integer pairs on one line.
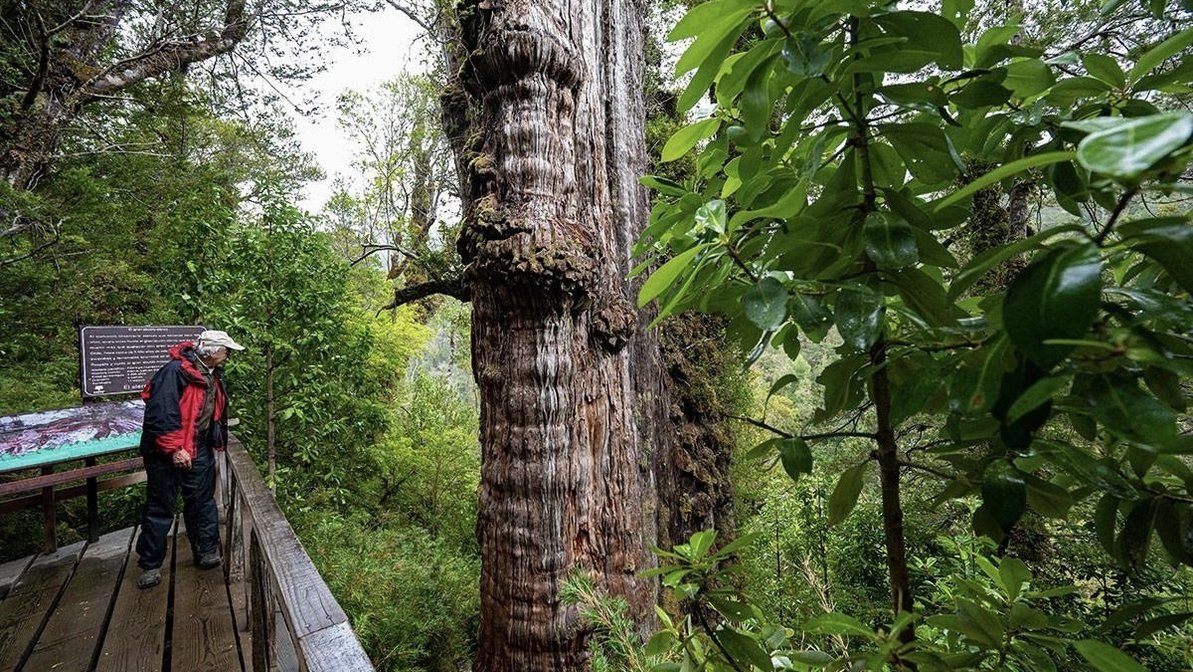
{"points": [[182, 352]]}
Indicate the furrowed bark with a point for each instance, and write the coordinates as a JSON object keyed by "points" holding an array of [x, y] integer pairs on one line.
{"points": [[547, 121]]}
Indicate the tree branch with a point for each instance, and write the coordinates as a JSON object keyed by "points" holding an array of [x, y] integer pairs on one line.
{"points": [[806, 437], [369, 249], [415, 16], [169, 56], [453, 287], [43, 65], [21, 257], [1118, 211]]}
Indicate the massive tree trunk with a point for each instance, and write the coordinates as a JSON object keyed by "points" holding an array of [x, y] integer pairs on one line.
{"points": [[547, 117]]}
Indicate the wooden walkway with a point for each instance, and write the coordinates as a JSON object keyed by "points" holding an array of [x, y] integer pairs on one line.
{"points": [[79, 610]]}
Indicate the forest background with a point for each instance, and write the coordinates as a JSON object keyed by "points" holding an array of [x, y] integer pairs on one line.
{"points": [[176, 202]]}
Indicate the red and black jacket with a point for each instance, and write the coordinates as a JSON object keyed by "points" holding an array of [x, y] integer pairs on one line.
{"points": [[173, 402]]}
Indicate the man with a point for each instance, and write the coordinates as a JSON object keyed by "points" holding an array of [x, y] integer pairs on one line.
{"points": [[186, 420]]}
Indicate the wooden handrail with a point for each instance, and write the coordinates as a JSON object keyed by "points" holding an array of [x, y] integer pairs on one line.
{"points": [[313, 633], [46, 480]]}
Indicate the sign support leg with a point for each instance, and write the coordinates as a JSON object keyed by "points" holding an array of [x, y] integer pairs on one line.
{"points": [[92, 505], [49, 522]]}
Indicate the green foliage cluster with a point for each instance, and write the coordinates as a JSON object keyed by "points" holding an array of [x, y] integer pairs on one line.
{"points": [[412, 595], [834, 177]]}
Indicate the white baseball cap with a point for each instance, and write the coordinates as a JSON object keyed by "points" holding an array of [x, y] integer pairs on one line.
{"points": [[215, 337]]}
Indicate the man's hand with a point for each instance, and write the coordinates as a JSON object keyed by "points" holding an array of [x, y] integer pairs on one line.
{"points": [[182, 459]]}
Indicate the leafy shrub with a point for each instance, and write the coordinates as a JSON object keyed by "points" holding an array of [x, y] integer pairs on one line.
{"points": [[413, 598]]}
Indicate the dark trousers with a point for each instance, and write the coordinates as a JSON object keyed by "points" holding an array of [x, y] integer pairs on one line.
{"points": [[198, 505]]}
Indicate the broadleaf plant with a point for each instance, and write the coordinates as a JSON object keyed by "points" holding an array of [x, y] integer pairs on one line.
{"points": [[850, 146]]}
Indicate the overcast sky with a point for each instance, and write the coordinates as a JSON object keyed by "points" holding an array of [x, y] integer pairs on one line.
{"points": [[387, 46]]}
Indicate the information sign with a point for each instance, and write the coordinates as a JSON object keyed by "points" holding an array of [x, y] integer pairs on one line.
{"points": [[120, 359]]}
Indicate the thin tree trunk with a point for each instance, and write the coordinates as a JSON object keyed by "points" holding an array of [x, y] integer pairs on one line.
{"points": [[1019, 209], [572, 400], [888, 449], [271, 453], [1017, 199], [892, 504]]}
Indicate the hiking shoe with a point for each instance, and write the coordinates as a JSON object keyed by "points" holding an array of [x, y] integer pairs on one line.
{"points": [[208, 560], [149, 578]]}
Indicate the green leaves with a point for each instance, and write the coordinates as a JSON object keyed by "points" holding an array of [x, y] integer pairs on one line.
{"points": [[863, 219], [765, 304], [1130, 412], [1105, 68], [661, 280], [931, 37], [837, 624], [859, 317], [1028, 77], [796, 457], [686, 138], [925, 150], [745, 648], [1004, 493], [1134, 540], [1001, 173], [845, 496], [1174, 526], [1129, 148], [890, 242], [1168, 240], [804, 55], [755, 102], [1159, 53], [1055, 298], [1035, 396], [716, 26], [700, 18], [1105, 658]]}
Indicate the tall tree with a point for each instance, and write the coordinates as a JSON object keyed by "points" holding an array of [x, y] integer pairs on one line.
{"points": [[406, 181], [548, 114], [65, 55], [832, 162], [61, 61]]}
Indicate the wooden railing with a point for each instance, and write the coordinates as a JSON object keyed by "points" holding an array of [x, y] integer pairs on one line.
{"points": [[295, 622]]}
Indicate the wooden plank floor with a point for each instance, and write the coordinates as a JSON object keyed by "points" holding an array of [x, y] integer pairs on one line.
{"points": [[79, 610]]}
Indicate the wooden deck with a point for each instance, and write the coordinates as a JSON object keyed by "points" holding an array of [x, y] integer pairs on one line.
{"points": [[79, 609]]}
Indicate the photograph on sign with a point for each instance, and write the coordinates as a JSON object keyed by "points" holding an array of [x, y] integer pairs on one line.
{"points": [[52, 436]]}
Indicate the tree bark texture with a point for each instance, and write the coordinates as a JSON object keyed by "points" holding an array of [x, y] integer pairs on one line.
{"points": [[548, 121], [694, 489]]}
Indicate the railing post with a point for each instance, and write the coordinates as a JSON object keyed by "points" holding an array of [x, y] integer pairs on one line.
{"points": [[228, 508], [220, 482], [244, 565], [259, 612], [294, 622]]}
